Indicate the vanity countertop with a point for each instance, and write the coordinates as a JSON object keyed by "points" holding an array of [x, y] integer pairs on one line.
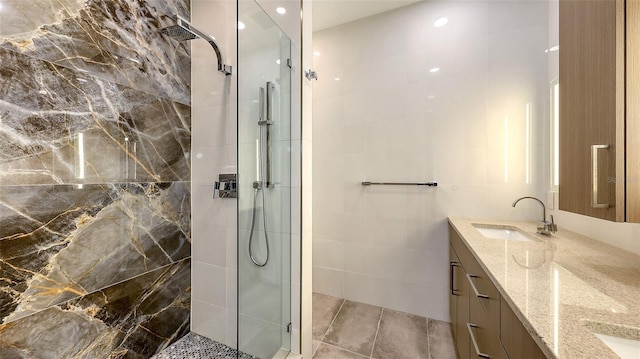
{"points": [[563, 288]]}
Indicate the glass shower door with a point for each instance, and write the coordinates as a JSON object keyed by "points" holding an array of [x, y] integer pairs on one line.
{"points": [[264, 190]]}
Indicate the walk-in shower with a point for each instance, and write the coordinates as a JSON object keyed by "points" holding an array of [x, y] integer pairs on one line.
{"points": [[264, 190], [184, 31]]}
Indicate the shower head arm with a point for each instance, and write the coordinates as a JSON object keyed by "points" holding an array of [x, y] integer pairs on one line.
{"points": [[222, 67]]}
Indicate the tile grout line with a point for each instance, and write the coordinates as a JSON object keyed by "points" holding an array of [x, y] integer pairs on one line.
{"points": [[428, 339], [330, 324], [346, 350], [376, 336]]}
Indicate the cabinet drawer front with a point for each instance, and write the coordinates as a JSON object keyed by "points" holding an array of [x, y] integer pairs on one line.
{"points": [[480, 285], [485, 338], [486, 294]]}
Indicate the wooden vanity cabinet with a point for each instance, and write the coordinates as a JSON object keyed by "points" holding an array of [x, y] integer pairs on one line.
{"points": [[483, 324]]}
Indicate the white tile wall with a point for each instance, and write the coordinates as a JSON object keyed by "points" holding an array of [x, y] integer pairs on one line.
{"points": [[208, 325], [388, 118], [306, 249], [213, 152]]}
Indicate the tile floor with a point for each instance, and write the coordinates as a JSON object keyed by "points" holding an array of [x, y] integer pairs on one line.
{"points": [[352, 330]]}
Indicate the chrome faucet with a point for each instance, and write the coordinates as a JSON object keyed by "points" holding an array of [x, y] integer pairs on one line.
{"points": [[545, 227]]}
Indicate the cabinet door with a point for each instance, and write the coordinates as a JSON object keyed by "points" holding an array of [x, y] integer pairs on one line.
{"points": [[462, 313], [517, 342], [592, 99], [454, 264]]}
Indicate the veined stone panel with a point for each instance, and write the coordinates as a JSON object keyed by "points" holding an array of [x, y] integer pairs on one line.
{"points": [[134, 319], [95, 142], [59, 125], [61, 242], [116, 40]]}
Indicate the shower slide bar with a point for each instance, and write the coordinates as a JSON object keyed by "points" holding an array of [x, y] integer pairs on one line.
{"points": [[429, 184]]}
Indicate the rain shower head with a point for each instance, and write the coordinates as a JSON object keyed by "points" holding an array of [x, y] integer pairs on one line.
{"points": [[184, 31], [178, 33]]}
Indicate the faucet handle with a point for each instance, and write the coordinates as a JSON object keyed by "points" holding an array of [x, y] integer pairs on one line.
{"points": [[553, 228]]}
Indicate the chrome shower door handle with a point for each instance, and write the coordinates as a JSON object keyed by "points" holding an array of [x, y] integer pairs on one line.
{"points": [[594, 176]]}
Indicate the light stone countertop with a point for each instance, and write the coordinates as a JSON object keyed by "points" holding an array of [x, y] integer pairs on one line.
{"points": [[563, 288]]}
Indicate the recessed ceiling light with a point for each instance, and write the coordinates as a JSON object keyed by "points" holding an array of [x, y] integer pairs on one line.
{"points": [[278, 61], [241, 25], [431, 97], [435, 69], [337, 79], [316, 53], [281, 10], [441, 22]]}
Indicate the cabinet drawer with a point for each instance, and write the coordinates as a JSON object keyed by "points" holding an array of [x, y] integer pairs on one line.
{"points": [[485, 339], [480, 285], [482, 289]]}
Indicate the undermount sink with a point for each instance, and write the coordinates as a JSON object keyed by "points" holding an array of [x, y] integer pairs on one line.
{"points": [[503, 232], [625, 348], [623, 340]]}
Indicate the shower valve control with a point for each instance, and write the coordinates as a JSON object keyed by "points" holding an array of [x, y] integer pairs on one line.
{"points": [[226, 186], [311, 75]]}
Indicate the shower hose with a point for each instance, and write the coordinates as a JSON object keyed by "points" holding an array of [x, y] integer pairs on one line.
{"points": [[258, 187], [253, 224]]}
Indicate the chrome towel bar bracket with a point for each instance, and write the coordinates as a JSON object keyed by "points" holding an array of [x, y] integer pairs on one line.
{"points": [[429, 184]]}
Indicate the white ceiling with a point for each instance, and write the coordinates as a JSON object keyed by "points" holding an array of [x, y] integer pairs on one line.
{"points": [[329, 13]]}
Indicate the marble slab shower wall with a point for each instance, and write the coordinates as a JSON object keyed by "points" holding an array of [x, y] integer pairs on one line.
{"points": [[129, 320], [95, 138], [117, 40], [60, 241]]}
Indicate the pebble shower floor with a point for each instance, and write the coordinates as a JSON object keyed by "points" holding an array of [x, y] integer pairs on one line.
{"points": [[194, 346]]}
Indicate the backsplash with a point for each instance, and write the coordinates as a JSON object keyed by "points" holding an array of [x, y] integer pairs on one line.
{"points": [[95, 137]]}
